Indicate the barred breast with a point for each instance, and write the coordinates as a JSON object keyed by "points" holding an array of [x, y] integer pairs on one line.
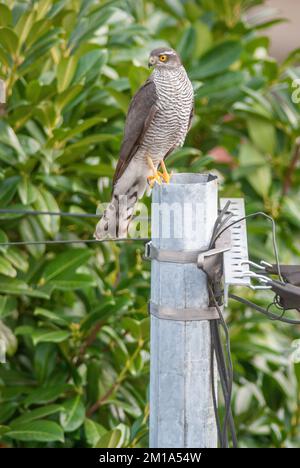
{"points": [[170, 124]]}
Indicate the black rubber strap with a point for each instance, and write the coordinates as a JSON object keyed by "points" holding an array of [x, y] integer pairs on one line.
{"points": [[289, 295], [290, 273]]}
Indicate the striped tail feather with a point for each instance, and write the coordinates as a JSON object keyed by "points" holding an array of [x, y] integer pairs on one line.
{"points": [[116, 217]]}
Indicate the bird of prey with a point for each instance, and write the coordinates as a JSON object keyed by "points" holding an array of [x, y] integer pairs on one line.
{"points": [[158, 119]]}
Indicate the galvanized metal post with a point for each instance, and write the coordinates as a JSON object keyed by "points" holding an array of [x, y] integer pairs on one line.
{"points": [[181, 405]]}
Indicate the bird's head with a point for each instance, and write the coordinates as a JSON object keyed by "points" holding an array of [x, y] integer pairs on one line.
{"points": [[164, 57]]}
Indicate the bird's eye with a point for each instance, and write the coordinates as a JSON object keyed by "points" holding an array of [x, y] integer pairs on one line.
{"points": [[163, 58]]}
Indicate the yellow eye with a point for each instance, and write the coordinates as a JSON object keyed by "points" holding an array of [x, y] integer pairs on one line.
{"points": [[163, 58]]}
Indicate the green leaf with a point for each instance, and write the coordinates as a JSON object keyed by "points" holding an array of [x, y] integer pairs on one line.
{"points": [[111, 439], [5, 58], [49, 336], [8, 189], [45, 361], [106, 308], [93, 60], [44, 395], [9, 138], [9, 40], [37, 413], [8, 339], [220, 85], [259, 172], [7, 306], [145, 328], [133, 326], [272, 391], [4, 429], [186, 46], [53, 316], [88, 123], [24, 25], [73, 415], [19, 288], [204, 38], [96, 170], [121, 99], [6, 268], [45, 201], [7, 410], [31, 230], [27, 191], [39, 50], [65, 72], [217, 60], [67, 97], [38, 431], [290, 210], [263, 134], [64, 262], [5, 15], [4, 239], [17, 259], [93, 431], [74, 281]]}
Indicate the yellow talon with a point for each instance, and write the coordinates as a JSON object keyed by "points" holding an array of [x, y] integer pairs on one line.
{"points": [[165, 175], [154, 178]]}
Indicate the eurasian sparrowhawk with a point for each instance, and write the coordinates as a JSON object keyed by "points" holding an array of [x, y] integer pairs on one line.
{"points": [[157, 122]]}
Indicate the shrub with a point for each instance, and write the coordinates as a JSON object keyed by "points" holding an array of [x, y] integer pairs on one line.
{"points": [[78, 312]]}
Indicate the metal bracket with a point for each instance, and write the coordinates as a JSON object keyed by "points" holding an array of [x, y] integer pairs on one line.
{"points": [[232, 244], [183, 314], [172, 256], [235, 259]]}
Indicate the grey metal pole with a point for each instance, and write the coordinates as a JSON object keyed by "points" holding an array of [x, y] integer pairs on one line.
{"points": [[181, 406]]}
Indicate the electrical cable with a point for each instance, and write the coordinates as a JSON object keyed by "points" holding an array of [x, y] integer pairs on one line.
{"points": [[75, 241], [61, 241], [263, 311], [274, 241], [225, 372], [49, 213], [212, 375]]}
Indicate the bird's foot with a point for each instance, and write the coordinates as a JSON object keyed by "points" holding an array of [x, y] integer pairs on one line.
{"points": [[155, 178], [165, 175]]}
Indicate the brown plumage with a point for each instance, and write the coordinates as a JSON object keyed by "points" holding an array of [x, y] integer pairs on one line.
{"points": [[140, 114]]}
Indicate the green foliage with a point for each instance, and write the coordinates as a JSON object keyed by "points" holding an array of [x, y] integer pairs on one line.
{"points": [[74, 319]]}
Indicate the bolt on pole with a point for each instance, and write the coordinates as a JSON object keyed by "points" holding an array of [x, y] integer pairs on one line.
{"points": [[181, 404]]}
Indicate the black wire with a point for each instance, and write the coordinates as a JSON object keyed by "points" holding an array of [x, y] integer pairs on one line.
{"points": [[223, 442], [219, 221], [263, 311], [258, 213], [225, 384], [49, 213], [76, 241], [226, 374], [212, 376], [61, 241]]}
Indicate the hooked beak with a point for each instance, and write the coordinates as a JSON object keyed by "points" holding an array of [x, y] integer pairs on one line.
{"points": [[151, 62]]}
